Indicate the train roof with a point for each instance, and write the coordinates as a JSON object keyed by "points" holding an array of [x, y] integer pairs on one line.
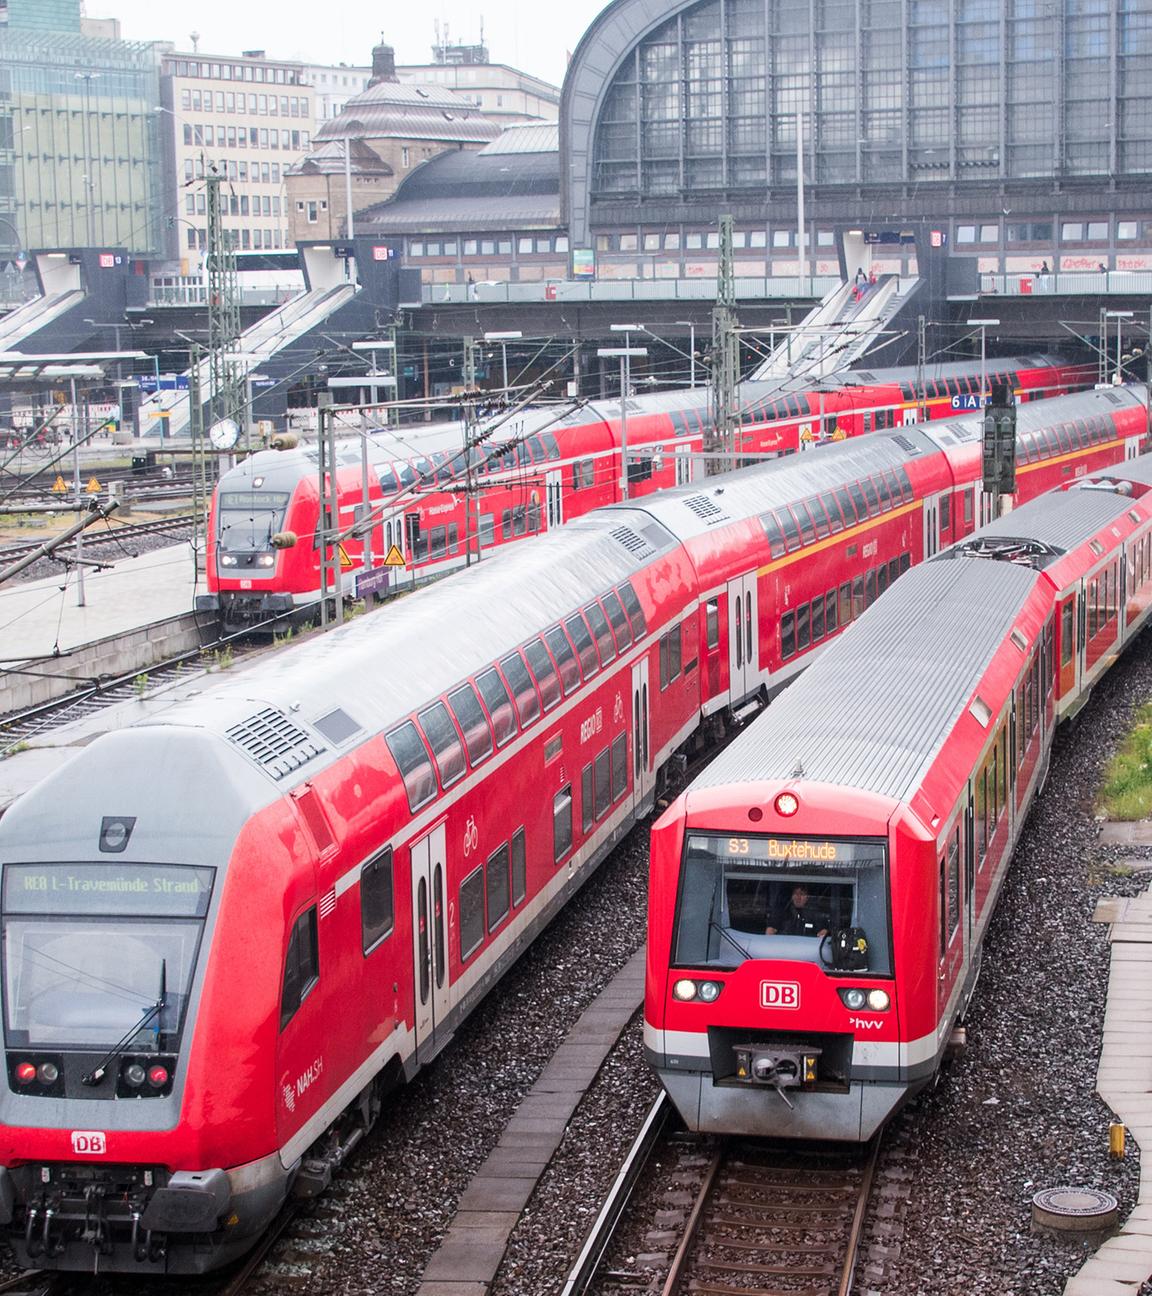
{"points": [[923, 649], [378, 669], [912, 373]]}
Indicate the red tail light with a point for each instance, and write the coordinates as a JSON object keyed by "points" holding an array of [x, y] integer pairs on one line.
{"points": [[157, 1076], [25, 1073]]}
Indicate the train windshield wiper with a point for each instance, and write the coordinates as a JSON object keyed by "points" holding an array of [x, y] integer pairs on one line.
{"points": [[154, 1010]]}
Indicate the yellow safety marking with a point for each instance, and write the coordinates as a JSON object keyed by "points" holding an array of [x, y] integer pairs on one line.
{"points": [[345, 561], [394, 558], [93, 487], [59, 486]]}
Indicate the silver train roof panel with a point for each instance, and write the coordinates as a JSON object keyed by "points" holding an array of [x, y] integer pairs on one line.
{"points": [[874, 709], [1061, 520]]}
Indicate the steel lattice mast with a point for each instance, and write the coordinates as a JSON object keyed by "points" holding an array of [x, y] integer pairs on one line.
{"points": [[225, 375], [720, 445]]}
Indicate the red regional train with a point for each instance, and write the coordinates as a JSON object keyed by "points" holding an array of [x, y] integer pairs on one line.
{"points": [[273, 900], [540, 469], [819, 896]]}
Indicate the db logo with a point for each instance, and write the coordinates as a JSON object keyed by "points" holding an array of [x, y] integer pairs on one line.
{"points": [[89, 1143], [779, 994]]}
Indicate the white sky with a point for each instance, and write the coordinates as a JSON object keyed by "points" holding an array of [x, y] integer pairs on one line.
{"points": [[533, 35]]}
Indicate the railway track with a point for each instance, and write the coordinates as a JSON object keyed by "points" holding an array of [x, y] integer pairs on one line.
{"points": [[120, 535]]}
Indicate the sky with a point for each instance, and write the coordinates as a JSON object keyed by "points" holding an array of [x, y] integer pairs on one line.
{"points": [[532, 36]]}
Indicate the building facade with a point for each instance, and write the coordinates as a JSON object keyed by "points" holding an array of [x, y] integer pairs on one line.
{"points": [[333, 86], [503, 94]]}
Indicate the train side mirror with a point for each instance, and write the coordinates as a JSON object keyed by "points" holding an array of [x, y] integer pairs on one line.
{"points": [[283, 540]]}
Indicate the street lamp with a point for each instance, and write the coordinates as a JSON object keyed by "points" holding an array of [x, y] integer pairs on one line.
{"points": [[691, 347], [624, 354], [982, 325], [1119, 317], [504, 338]]}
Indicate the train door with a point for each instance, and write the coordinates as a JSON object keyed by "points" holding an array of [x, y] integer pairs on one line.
{"points": [[969, 856], [554, 487], [641, 735], [1131, 448], [429, 942], [931, 526], [743, 666]]}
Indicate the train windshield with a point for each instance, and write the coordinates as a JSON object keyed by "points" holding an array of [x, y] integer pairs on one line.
{"points": [[249, 519], [89, 948], [798, 898]]}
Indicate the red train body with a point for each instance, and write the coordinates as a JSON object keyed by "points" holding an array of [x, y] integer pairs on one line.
{"points": [[554, 469], [819, 896], [277, 898]]}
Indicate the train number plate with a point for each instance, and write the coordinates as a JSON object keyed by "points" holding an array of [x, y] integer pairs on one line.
{"points": [[89, 1142], [779, 994]]}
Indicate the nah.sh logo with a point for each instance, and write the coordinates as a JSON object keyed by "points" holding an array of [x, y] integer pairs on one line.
{"points": [[779, 994]]}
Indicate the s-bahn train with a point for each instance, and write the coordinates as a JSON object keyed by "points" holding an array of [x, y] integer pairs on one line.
{"points": [[540, 469], [819, 896], [230, 928]]}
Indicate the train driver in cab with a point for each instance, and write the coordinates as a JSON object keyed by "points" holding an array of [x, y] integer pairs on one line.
{"points": [[798, 917]]}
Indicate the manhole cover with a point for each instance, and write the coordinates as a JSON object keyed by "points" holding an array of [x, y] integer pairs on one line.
{"points": [[1074, 1209]]}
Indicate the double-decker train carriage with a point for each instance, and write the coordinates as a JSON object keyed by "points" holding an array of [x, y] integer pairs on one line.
{"points": [[819, 895], [540, 469], [273, 900]]}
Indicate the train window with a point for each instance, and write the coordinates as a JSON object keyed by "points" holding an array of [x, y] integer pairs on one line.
{"points": [[870, 495], [376, 904], [817, 619], [506, 524], [601, 632], [881, 579], [803, 628], [869, 588], [539, 450], [857, 596], [387, 479], [562, 823], [807, 526], [884, 492], [499, 705], [791, 530], [551, 448], [830, 623], [301, 966], [893, 569], [523, 690], [544, 672], [472, 721], [945, 513], [487, 536], [619, 620], [444, 741], [519, 867], [588, 471], [845, 604], [603, 782], [819, 516], [619, 766], [472, 913], [587, 798], [847, 506], [565, 658], [413, 762], [576, 476], [586, 650], [775, 536], [519, 520], [496, 887], [453, 537], [832, 508], [1062, 438], [437, 538], [533, 516], [632, 606], [712, 623], [787, 636], [905, 485]]}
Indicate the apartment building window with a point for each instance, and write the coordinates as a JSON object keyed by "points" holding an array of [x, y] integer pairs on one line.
{"points": [[405, 157]]}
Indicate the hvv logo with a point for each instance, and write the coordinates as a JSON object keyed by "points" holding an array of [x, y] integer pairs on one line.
{"points": [[779, 994]]}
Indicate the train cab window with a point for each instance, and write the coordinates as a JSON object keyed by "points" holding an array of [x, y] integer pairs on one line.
{"points": [[414, 764], [787, 636], [803, 628], [631, 603], [473, 723], [791, 530], [618, 618], [301, 966], [807, 526], [603, 782], [832, 508], [565, 659], [499, 705], [377, 913], [775, 536], [444, 741], [562, 823], [817, 619], [497, 892], [734, 888], [870, 495], [601, 632], [519, 867], [544, 672], [847, 506], [471, 913], [819, 516], [523, 690], [712, 624], [581, 636]]}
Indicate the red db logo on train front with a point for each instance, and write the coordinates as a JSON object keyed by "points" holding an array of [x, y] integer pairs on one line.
{"points": [[88, 1143], [779, 994]]}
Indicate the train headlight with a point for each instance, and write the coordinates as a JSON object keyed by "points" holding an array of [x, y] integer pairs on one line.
{"points": [[134, 1075], [854, 998], [786, 804], [228, 560], [48, 1073], [709, 991], [879, 1000], [265, 560], [682, 990]]}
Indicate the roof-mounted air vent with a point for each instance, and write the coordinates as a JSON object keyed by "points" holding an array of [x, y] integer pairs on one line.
{"points": [[274, 742], [635, 543], [703, 507]]}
